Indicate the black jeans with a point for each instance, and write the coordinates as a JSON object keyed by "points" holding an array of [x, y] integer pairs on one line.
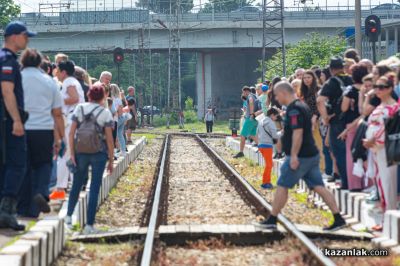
{"points": [[209, 125], [39, 165], [12, 173], [338, 148]]}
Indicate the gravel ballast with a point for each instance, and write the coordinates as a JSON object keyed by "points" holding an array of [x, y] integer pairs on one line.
{"points": [[199, 193]]}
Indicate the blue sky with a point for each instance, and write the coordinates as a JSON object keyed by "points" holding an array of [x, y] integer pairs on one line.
{"points": [[33, 5]]}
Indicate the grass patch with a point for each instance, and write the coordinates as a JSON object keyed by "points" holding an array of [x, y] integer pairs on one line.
{"points": [[149, 136], [76, 227], [300, 197], [199, 127], [303, 198], [99, 254]]}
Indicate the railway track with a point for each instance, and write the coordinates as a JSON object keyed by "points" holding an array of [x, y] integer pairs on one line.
{"points": [[193, 198]]}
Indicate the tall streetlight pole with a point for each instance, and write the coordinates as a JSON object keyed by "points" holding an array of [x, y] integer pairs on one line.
{"points": [[357, 24], [263, 43]]}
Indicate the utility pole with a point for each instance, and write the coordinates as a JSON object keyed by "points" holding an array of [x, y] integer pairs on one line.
{"points": [[178, 11], [174, 52], [141, 89], [273, 32], [169, 57], [150, 64], [357, 24]]}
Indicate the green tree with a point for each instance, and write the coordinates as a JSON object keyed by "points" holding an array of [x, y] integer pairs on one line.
{"points": [[225, 5], [189, 104], [315, 49], [8, 10], [162, 6], [133, 72]]}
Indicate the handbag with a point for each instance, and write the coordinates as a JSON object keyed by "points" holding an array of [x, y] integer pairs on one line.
{"points": [[392, 139], [358, 151]]}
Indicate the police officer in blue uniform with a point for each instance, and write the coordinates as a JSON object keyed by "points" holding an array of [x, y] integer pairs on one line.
{"points": [[13, 116]]}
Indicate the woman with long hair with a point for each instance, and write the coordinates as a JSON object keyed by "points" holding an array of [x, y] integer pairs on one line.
{"points": [[386, 176], [308, 94], [120, 117]]}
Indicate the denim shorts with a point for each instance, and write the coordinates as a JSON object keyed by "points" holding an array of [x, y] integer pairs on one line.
{"points": [[308, 170]]}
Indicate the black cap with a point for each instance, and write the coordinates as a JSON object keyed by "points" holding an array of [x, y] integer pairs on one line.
{"points": [[336, 62], [18, 27]]}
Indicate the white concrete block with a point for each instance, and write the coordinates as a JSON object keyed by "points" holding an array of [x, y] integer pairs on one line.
{"points": [[24, 250], [386, 224], [343, 200], [337, 197], [350, 204], [57, 229], [378, 240], [357, 207], [50, 245], [85, 201], [42, 238], [35, 250], [11, 260], [395, 226]]}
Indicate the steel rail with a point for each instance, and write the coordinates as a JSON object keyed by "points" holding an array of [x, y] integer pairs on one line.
{"points": [[281, 218], [151, 229]]}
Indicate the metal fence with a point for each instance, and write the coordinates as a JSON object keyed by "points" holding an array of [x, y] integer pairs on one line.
{"points": [[141, 16]]}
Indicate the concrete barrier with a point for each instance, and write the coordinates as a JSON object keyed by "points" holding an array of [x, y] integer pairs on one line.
{"points": [[43, 243]]}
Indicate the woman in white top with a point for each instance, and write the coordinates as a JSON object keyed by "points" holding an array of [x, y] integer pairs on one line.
{"points": [[119, 116], [72, 95]]}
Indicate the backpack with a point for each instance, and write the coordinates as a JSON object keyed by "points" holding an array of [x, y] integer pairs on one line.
{"points": [[89, 136], [257, 103], [338, 103], [392, 139]]}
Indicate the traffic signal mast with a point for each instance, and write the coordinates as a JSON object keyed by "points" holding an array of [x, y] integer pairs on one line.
{"points": [[372, 31], [118, 59]]}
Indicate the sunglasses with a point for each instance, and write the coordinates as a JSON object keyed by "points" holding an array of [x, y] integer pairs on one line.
{"points": [[381, 87]]}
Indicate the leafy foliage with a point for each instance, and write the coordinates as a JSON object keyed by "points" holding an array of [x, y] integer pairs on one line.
{"points": [[315, 49], [225, 5], [163, 6], [8, 10], [189, 104], [133, 72], [190, 116]]}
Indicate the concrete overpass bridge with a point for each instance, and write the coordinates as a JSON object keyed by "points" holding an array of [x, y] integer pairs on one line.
{"points": [[228, 44]]}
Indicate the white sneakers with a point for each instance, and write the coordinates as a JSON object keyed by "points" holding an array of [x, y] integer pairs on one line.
{"points": [[68, 221], [90, 230]]}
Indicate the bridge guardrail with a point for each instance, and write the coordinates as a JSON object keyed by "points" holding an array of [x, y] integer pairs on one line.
{"points": [[142, 16]]}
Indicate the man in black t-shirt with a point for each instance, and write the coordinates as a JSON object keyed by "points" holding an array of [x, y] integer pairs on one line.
{"points": [[302, 160], [329, 106]]}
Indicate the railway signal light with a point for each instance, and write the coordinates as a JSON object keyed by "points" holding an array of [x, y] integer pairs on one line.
{"points": [[372, 27], [118, 55]]}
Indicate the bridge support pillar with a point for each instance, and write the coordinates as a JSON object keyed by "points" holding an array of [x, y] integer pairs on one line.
{"points": [[203, 82], [220, 77]]}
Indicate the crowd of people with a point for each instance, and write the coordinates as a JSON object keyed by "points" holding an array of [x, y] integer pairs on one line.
{"points": [[56, 122], [349, 103]]}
